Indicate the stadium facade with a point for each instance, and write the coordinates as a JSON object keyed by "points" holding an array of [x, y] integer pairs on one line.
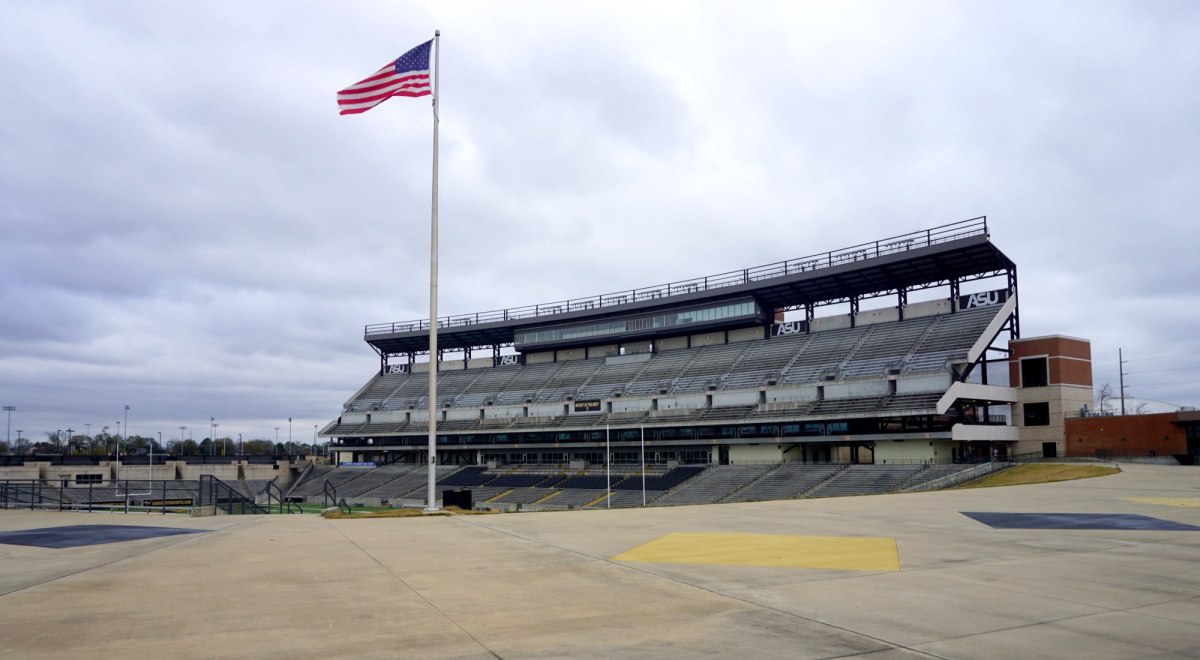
{"points": [[818, 359]]}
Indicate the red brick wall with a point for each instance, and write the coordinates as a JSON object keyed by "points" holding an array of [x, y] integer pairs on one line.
{"points": [[1129, 435], [1063, 369]]}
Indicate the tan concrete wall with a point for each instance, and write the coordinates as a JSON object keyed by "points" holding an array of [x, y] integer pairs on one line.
{"points": [[20, 472], [168, 471], [913, 449], [259, 471], [222, 472], [1063, 399], [871, 317], [708, 339], [772, 453], [539, 358], [745, 334], [58, 473], [926, 308], [604, 351], [571, 354], [671, 343], [831, 322]]}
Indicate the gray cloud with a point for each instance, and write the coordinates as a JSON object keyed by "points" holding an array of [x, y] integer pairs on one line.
{"points": [[188, 227]]}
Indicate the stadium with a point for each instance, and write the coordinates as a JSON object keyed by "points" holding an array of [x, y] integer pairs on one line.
{"points": [[815, 375], [894, 365]]}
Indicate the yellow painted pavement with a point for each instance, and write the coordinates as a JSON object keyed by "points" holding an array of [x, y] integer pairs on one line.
{"points": [[777, 550], [1168, 501]]}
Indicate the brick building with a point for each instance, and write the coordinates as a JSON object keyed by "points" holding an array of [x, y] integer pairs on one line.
{"points": [[1161, 434]]}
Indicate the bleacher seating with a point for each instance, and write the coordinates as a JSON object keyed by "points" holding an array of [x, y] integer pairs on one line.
{"points": [[467, 477], [716, 483], [665, 481], [910, 346], [865, 480], [785, 482]]}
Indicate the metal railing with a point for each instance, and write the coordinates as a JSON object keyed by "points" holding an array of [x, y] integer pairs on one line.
{"points": [[970, 474], [863, 251], [218, 494]]}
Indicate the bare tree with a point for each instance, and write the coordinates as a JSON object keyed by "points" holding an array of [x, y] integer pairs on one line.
{"points": [[1103, 394]]}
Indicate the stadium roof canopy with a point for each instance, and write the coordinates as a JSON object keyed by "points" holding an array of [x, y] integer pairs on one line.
{"points": [[923, 259]]}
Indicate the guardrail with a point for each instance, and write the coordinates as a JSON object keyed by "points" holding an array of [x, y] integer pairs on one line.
{"points": [[892, 245], [970, 474]]}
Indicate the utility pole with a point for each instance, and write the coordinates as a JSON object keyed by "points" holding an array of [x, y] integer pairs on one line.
{"points": [[8, 429], [1121, 368]]}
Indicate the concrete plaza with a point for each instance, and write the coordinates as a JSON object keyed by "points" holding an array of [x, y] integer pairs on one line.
{"points": [[786, 579]]}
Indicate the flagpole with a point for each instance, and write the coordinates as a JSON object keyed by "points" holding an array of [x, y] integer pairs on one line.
{"points": [[433, 277]]}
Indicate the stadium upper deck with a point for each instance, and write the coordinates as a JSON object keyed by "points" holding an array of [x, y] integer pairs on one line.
{"points": [[944, 255]]}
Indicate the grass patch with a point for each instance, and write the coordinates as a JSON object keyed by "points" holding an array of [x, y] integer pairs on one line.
{"points": [[1041, 473], [372, 512]]}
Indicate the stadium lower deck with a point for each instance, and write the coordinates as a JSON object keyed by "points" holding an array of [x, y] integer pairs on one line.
{"points": [[836, 389], [541, 488]]}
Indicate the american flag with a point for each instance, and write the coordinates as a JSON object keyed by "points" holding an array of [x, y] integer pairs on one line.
{"points": [[407, 76]]}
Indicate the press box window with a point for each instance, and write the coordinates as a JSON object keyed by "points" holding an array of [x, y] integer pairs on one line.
{"points": [[1034, 372], [1037, 414]]}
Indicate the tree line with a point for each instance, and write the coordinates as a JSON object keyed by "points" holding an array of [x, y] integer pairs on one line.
{"points": [[107, 444]]}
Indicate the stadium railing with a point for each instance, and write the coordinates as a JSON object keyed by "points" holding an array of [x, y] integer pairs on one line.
{"points": [[894, 244]]}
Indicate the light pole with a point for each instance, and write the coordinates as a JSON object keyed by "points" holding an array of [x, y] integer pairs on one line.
{"points": [[87, 433], [315, 451], [290, 448], [70, 436], [57, 438], [8, 429], [276, 439], [212, 433], [181, 430], [241, 452]]}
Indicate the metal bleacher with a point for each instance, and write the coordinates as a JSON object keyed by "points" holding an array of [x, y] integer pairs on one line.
{"points": [[865, 480], [785, 481], [714, 484], [910, 346]]}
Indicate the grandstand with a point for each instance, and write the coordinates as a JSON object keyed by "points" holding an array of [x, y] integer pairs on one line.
{"points": [[816, 360]]}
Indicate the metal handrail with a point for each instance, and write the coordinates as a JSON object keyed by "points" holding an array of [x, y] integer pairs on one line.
{"points": [[895, 244]]}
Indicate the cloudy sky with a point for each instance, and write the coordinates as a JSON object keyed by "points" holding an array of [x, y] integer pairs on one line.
{"points": [[188, 227]]}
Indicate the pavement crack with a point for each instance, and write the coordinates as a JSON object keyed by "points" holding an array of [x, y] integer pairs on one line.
{"points": [[418, 593], [719, 594]]}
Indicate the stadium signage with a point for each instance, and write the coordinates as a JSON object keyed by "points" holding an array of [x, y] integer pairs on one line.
{"points": [[789, 328], [366, 464], [587, 405], [396, 369], [182, 501], [510, 360], [984, 299]]}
